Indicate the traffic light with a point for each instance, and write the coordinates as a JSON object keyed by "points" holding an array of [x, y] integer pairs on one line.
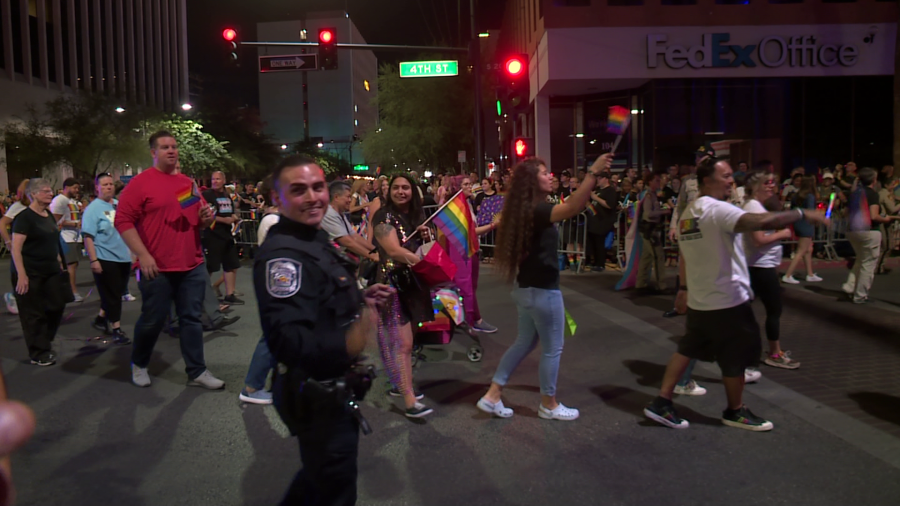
{"points": [[328, 58], [232, 43], [522, 147], [514, 84]]}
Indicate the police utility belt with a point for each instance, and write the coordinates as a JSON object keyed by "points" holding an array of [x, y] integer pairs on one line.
{"points": [[344, 392]]}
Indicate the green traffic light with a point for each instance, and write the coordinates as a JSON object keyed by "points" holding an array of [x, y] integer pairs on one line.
{"points": [[499, 109]]}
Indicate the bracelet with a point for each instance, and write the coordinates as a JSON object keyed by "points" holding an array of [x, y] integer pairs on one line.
{"points": [[95, 260], [682, 289], [802, 216]]}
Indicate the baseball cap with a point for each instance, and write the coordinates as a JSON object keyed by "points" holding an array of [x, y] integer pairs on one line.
{"points": [[828, 175]]}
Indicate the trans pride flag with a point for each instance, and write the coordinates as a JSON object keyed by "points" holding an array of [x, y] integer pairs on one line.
{"points": [[454, 221]]}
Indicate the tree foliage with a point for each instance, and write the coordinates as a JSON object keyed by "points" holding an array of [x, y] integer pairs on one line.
{"points": [[330, 162], [199, 152], [423, 121]]}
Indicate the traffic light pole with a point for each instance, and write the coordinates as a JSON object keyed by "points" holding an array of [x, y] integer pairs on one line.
{"points": [[476, 64]]}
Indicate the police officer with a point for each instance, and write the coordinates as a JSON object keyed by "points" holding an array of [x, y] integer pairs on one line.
{"points": [[316, 322]]}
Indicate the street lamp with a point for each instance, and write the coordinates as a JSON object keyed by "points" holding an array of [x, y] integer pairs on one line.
{"points": [[186, 107], [284, 146], [120, 110], [320, 145]]}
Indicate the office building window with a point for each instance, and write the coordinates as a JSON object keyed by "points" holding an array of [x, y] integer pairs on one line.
{"points": [[679, 2], [838, 1], [785, 1], [624, 3], [733, 2]]}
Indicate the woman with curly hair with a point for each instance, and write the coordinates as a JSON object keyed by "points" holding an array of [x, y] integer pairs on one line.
{"points": [[527, 241]]}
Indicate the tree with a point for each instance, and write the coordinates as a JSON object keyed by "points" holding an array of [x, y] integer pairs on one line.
{"points": [[329, 162], [423, 121], [91, 133], [199, 152]]}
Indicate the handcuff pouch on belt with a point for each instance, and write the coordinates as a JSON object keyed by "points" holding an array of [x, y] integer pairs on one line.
{"points": [[651, 231]]}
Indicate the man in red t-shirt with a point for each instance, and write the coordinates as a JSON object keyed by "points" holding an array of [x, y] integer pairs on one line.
{"points": [[160, 215]]}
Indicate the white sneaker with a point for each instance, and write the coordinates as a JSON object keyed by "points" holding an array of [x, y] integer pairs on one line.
{"points": [[692, 388], [751, 375], [813, 278], [129, 298], [139, 376], [560, 412], [790, 280], [847, 289], [11, 304], [78, 297], [207, 380]]}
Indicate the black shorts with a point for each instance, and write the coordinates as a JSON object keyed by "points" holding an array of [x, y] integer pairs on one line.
{"points": [[221, 254], [729, 337]]}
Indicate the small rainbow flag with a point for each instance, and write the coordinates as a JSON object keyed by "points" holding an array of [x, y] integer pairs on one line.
{"points": [[454, 221], [189, 196], [619, 119], [73, 212]]}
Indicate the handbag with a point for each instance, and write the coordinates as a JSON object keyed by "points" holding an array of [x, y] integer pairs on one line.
{"points": [[62, 279], [435, 268]]}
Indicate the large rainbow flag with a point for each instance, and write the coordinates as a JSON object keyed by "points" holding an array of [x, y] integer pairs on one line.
{"points": [[454, 221]]}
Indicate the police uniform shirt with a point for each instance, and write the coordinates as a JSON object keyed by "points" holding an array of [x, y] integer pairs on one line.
{"points": [[717, 274], [307, 299]]}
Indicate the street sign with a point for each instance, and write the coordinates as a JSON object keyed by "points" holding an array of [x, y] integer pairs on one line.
{"points": [[461, 156], [125, 179], [286, 62], [360, 168], [429, 68]]}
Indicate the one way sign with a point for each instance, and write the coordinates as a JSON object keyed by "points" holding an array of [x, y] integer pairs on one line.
{"points": [[285, 62]]}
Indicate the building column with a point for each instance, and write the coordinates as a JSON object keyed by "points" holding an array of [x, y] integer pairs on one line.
{"points": [[542, 127]]}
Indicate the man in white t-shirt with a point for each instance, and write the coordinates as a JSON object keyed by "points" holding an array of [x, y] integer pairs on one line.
{"points": [[720, 326], [68, 216]]}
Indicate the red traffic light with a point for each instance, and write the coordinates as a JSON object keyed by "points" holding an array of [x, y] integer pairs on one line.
{"points": [[514, 66], [521, 147], [229, 34], [326, 36]]}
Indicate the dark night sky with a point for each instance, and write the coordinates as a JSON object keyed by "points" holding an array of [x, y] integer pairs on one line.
{"points": [[414, 22]]}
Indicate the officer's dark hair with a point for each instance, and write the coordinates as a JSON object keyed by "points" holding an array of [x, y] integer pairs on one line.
{"points": [[337, 189], [414, 215], [159, 135], [290, 161]]}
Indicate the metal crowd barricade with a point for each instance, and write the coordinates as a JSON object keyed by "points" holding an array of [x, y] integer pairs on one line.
{"points": [[246, 230]]}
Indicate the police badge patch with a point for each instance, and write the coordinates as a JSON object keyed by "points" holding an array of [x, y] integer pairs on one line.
{"points": [[283, 277]]}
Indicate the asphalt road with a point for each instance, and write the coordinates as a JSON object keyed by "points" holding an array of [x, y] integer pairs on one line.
{"points": [[100, 440]]}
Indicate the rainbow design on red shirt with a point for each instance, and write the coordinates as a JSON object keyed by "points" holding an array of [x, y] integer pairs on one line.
{"points": [[189, 196]]}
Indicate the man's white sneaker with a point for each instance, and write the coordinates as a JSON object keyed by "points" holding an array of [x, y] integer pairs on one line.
{"points": [[128, 298], [791, 280], [692, 388], [560, 412], [207, 380], [78, 297], [813, 279], [751, 375], [139, 376]]}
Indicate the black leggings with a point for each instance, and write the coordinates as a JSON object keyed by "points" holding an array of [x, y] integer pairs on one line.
{"points": [[110, 284], [765, 284]]}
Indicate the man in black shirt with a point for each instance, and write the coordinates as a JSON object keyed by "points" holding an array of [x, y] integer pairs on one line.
{"points": [[603, 219], [221, 251]]}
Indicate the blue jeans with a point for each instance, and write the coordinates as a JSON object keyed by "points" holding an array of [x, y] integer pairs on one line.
{"points": [[186, 290], [542, 318], [686, 377], [260, 365]]}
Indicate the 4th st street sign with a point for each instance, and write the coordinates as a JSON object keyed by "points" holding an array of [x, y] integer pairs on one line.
{"points": [[286, 62], [429, 68]]}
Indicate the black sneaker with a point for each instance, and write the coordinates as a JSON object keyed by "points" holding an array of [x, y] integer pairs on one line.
{"points": [[396, 393], [222, 323], [745, 419], [418, 411], [663, 412], [118, 337], [45, 360], [233, 300], [101, 323]]}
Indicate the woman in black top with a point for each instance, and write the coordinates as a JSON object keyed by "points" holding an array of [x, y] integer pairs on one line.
{"points": [[526, 252], [394, 224], [37, 263]]}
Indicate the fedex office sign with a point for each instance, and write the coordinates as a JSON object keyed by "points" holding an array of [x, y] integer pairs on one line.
{"points": [[714, 50]]}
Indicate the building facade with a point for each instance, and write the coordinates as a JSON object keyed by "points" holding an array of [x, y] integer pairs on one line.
{"points": [[340, 102], [134, 49], [799, 82]]}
